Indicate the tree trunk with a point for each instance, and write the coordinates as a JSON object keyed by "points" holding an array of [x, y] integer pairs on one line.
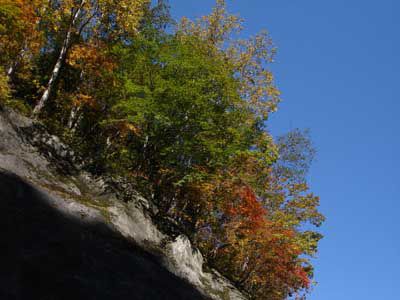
{"points": [[61, 57], [10, 70], [74, 117], [16, 62]]}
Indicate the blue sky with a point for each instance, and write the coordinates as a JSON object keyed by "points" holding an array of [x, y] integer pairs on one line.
{"points": [[338, 67]]}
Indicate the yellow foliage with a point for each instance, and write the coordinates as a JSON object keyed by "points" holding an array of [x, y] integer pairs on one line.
{"points": [[4, 88], [249, 57]]}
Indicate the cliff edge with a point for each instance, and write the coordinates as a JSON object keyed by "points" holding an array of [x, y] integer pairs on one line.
{"points": [[66, 235]]}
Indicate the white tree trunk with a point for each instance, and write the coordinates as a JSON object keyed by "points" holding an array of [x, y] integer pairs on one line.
{"points": [[16, 62], [10, 70], [61, 57], [74, 117]]}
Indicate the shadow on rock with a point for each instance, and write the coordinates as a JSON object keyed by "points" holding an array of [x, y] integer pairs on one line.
{"points": [[47, 255]]}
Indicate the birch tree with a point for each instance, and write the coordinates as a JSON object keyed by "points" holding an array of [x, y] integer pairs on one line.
{"points": [[87, 20]]}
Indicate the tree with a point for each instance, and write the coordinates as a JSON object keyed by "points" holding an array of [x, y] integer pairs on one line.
{"points": [[258, 246], [20, 38], [88, 19], [250, 57], [179, 97]]}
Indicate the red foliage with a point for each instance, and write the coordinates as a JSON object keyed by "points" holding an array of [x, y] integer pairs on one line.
{"points": [[246, 208], [257, 252]]}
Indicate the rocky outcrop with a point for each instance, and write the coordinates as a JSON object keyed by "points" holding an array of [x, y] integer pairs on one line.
{"points": [[66, 236]]}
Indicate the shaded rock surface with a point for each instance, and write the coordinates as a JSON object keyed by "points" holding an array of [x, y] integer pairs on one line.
{"points": [[65, 236]]}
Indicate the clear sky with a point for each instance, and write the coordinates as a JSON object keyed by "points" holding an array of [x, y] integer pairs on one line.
{"points": [[338, 67]]}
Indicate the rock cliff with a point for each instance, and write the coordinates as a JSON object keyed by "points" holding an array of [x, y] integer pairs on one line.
{"points": [[66, 235]]}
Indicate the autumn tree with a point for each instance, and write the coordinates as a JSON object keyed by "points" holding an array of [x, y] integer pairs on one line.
{"points": [[266, 243], [89, 20], [20, 38]]}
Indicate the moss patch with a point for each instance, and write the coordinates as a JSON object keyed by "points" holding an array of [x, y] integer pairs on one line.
{"points": [[85, 199]]}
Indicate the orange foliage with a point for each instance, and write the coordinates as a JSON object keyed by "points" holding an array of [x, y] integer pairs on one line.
{"points": [[20, 38], [91, 58]]}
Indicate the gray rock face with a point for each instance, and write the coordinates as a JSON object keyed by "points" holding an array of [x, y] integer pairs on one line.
{"points": [[67, 237]]}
